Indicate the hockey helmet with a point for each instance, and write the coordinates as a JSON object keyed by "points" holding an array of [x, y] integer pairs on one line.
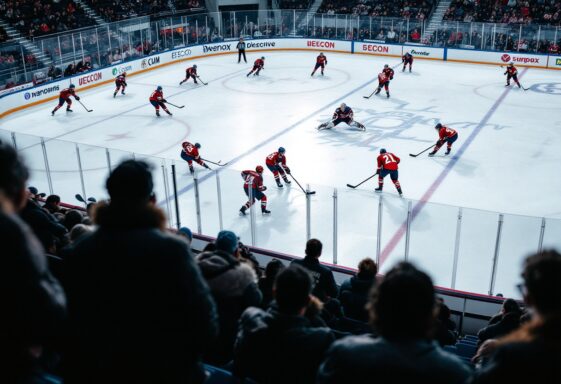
{"points": [[259, 169], [383, 150], [511, 64], [197, 145], [343, 106], [195, 66], [262, 57], [438, 126], [159, 88], [124, 74], [321, 53], [282, 150], [386, 66], [72, 86]]}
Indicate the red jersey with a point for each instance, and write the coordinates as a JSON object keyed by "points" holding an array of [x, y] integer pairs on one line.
{"points": [[259, 63], [191, 71], [445, 132], [190, 150], [157, 96], [275, 158], [252, 179], [388, 161], [321, 60], [407, 58], [382, 78], [388, 72], [343, 114], [120, 80], [66, 93], [512, 70]]}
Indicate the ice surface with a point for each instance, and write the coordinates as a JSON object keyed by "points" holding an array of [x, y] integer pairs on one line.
{"points": [[509, 165]]}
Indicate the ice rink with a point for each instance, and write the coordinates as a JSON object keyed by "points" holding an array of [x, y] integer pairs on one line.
{"points": [[506, 159]]}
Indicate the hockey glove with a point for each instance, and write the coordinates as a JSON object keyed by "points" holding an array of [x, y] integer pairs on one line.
{"points": [[77, 98], [263, 188], [287, 170]]}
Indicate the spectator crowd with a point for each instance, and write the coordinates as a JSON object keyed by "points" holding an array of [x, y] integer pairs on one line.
{"points": [[35, 18], [110, 295], [409, 9], [115, 10], [505, 11]]}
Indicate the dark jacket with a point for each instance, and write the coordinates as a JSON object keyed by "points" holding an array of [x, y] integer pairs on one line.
{"points": [[277, 348], [535, 358], [323, 280], [508, 323], [266, 287], [46, 228], [140, 311], [233, 285], [362, 359], [353, 296], [33, 302]]}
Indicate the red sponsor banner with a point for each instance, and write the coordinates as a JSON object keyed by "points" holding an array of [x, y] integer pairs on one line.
{"points": [[91, 78], [375, 48], [321, 44]]}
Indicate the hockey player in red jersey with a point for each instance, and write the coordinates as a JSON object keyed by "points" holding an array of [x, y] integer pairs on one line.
{"points": [[190, 153], [64, 97], [407, 59], [190, 73], [157, 100], [445, 135], [342, 114], [276, 162], [384, 78], [512, 73], [388, 165], [253, 182], [257, 66], [120, 84], [321, 62]]}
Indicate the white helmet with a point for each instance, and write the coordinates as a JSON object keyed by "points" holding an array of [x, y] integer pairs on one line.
{"points": [[343, 106]]}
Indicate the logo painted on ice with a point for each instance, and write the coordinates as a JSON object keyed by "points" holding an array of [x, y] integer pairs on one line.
{"points": [[549, 88]]}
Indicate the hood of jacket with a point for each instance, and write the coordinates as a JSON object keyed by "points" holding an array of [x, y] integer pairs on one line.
{"points": [[226, 276]]}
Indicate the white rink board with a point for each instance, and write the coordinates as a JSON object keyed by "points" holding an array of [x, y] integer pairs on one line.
{"points": [[501, 58]]}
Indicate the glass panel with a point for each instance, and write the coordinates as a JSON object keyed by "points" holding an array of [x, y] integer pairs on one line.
{"points": [[552, 234], [96, 170], [63, 164], [394, 211], [477, 247], [434, 221], [30, 149], [520, 238]]}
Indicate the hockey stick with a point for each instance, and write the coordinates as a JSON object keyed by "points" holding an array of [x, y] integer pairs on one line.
{"points": [[362, 182], [89, 110], [176, 106], [202, 80], [372, 94], [218, 163], [303, 190], [423, 151], [81, 199]]}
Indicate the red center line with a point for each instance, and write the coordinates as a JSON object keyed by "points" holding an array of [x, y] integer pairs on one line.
{"points": [[398, 235]]}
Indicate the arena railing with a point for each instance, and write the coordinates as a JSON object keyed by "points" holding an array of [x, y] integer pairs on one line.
{"points": [[462, 248], [138, 37]]}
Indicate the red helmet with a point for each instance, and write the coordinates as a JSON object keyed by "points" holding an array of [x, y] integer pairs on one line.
{"points": [[259, 169]]}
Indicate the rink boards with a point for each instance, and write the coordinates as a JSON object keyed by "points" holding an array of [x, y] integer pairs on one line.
{"points": [[20, 98]]}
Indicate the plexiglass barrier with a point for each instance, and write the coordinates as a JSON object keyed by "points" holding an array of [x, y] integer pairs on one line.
{"points": [[130, 39], [462, 248]]}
